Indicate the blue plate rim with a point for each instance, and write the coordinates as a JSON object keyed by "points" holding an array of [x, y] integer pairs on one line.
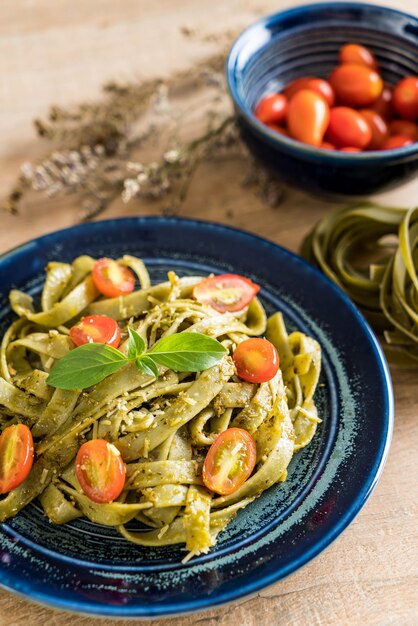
{"points": [[369, 483]]}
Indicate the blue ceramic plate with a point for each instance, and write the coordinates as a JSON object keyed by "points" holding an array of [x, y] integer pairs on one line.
{"points": [[91, 569]]}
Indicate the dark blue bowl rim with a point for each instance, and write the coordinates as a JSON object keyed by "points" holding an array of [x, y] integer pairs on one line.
{"points": [[293, 146], [369, 480]]}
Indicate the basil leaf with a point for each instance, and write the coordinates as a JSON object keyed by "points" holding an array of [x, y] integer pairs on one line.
{"points": [[187, 352], [136, 345], [85, 366], [146, 364]]}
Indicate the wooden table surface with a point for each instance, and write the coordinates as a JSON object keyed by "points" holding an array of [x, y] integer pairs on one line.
{"points": [[61, 52]]}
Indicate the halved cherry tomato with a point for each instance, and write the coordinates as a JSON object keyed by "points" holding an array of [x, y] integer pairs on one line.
{"points": [[308, 117], [383, 104], [354, 53], [327, 145], [347, 128], [350, 149], [256, 360], [397, 141], [100, 470], [96, 329], [378, 127], [230, 461], [405, 128], [356, 85], [272, 109], [405, 98], [112, 279], [315, 84], [16, 456], [226, 292]]}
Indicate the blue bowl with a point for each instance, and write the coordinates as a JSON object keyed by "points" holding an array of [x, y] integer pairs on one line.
{"points": [[304, 41]]}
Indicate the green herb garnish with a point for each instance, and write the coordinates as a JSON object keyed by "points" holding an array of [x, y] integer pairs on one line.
{"points": [[89, 364]]}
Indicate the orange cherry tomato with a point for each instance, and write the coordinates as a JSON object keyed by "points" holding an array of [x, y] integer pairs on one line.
{"points": [[356, 85], [359, 55], [226, 292], [100, 470], [314, 84], [327, 145], [383, 104], [229, 461], [308, 117], [397, 141], [256, 360], [405, 128], [272, 109], [16, 456], [96, 329], [378, 127], [112, 279], [405, 98], [347, 128], [350, 149]]}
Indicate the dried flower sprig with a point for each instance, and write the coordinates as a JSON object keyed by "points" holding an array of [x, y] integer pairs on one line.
{"points": [[95, 144]]}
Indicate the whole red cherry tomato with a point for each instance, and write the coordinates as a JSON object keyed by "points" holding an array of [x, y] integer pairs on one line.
{"points": [[405, 98], [348, 128], [308, 117], [256, 360], [383, 104], [354, 53], [405, 128], [378, 127], [272, 109], [356, 85], [315, 84], [397, 141]]}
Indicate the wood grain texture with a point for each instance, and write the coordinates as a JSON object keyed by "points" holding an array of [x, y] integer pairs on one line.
{"points": [[61, 52]]}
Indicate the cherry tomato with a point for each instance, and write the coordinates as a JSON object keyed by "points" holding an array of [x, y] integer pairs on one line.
{"points": [[383, 104], [230, 461], [314, 84], [350, 149], [96, 329], [278, 129], [100, 470], [226, 292], [356, 85], [405, 128], [308, 117], [327, 145], [347, 128], [272, 109], [378, 127], [359, 55], [112, 279], [405, 98], [16, 456], [397, 141], [256, 360]]}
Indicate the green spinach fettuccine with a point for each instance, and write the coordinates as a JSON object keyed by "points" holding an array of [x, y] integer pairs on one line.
{"points": [[371, 252]]}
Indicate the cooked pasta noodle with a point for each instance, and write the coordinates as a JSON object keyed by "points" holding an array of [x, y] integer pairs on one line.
{"points": [[162, 428]]}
